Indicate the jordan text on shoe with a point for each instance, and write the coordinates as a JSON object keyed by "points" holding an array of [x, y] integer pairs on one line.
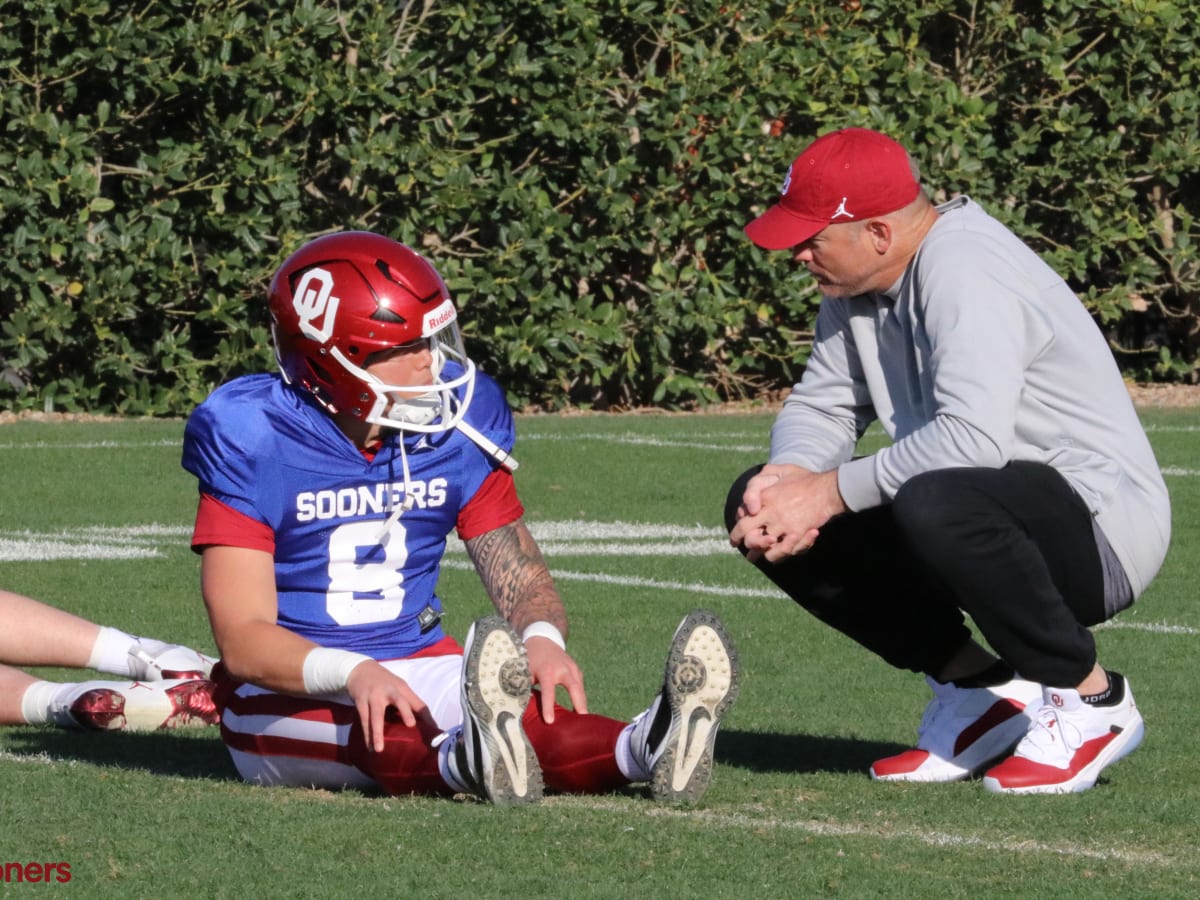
{"points": [[1069, 744], [144, 706], [962, 731], [496, 689], [675, 736]]}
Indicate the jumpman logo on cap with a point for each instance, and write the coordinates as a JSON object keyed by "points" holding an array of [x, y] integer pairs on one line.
{"points": [[841, 211]]}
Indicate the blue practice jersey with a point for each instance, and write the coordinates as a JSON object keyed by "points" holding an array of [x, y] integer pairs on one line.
{"points": [[343, 578]]}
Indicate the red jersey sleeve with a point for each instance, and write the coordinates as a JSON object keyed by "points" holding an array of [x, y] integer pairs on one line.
{"points": [[221, 524], [494, 504]]}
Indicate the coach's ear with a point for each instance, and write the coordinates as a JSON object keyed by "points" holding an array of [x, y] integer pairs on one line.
{"points": [[879, 233]]}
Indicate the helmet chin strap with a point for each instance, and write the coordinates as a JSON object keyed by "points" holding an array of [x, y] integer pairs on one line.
{"points": [[400, 508], [428, 407], [488, 446]]}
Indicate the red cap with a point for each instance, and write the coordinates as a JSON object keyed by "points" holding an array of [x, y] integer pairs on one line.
{"points": [[844, 176]]}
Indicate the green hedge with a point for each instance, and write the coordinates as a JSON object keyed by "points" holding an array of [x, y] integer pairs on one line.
{"points": [[579, 171]]}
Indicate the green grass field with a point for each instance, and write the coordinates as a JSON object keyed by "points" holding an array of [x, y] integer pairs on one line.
{"points": [[95, 517]]}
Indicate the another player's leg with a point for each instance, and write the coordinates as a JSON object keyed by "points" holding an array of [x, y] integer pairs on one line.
{"points": [[491, 755], [671, 743], [122, 705], [37, 634]]}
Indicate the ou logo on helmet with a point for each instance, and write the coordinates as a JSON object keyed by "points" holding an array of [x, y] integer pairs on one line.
{"points": [[315, 305]]}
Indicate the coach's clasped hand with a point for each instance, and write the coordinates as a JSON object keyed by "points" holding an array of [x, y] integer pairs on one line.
{"points": [[783, 510]]}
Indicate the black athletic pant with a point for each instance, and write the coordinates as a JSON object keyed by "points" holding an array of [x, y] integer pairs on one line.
{"points": [[1013, 548]]}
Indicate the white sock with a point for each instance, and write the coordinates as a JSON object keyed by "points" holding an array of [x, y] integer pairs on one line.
{"points": [[629, 764], [110, 653], [50, 701], [47, 701], [447, 768]]}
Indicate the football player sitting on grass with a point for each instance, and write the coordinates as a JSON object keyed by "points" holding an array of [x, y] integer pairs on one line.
{"points": [[327, 494]]}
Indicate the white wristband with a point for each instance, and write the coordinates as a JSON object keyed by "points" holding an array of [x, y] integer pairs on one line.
{"points": [[544, 629], [327, 670]]}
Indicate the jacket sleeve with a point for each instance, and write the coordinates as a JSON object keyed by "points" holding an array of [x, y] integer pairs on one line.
{"points": [[830, 407]]}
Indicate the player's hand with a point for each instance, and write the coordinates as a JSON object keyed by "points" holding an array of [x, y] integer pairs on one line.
{"points": [[374, 689], [552, 666], [782, 511]]}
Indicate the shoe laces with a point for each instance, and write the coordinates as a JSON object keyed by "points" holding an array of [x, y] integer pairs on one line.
{"points": [[1051, 734]]}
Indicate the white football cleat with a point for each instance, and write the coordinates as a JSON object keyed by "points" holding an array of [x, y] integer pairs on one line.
{"points": [[963, 730], [137, 705], [151, 660], [673, 739], [492, 755]]}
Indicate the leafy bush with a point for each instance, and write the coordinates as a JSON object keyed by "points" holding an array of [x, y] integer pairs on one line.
{"points": [[580, 172]]}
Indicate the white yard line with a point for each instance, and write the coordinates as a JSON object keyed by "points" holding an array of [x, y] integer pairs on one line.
{"points": [[558, 539], [755, 819]]}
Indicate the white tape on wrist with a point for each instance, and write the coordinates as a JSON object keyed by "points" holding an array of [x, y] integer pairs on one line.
{"points": [[326, 670], [544, 629]]}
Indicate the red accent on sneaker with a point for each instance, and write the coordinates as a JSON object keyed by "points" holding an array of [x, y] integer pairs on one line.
{"points": [[999, 712], [900, 764], [99, 710], [192, 701], [1019, 772], [911, 760]]}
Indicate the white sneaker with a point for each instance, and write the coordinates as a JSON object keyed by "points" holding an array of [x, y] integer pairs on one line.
{"points": [[151, 660], [137, 705], [1070, 743], [673, 739], [492, 754], [963, 730]]}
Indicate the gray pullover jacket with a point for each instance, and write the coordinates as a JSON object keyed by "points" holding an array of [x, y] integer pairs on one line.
{"points": [[979, 354]]}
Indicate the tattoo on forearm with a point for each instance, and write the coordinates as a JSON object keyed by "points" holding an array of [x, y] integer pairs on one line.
{"points": [[516, 577]]}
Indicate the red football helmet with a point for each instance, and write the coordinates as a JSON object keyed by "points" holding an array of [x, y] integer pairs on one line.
{"points": [[342, 297]]}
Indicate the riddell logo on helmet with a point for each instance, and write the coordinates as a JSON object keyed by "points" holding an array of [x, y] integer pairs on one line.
{"points": [[439, 318]]}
